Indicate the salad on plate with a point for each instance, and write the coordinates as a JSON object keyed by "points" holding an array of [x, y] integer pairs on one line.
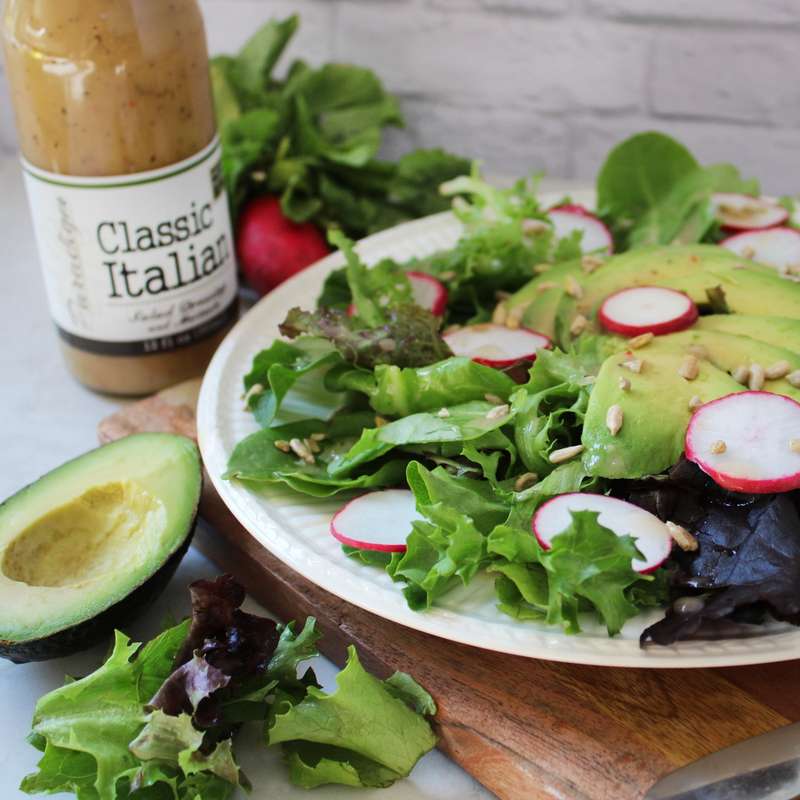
{"points": [[600, 409]]}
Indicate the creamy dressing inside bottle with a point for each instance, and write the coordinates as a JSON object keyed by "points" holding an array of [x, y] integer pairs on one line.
{"points": [[116, 125]]}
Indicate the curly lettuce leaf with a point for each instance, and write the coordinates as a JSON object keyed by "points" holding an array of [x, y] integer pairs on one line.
{"points": [[474, 498], [175, 739], [373, 289], [555, 407], [362, 735], [408, 338], [590, 562]]}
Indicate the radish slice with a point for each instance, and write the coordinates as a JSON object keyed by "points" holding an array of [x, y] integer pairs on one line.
{"points": [[596, 237], [426, 291], [744, 212], [647, 309], [775, 247], [743, 442], [496, 345], [651, 534], [377, 520], [574, 208]]}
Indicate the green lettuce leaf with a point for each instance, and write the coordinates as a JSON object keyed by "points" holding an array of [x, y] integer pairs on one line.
{"points": [[652, 191], [685, 214], [257, 458], [174, 738], [640, 172], [362, 735], [278, 368], [555, 406], [591, 562], [400, 392], [464, 422], [474, 498]]}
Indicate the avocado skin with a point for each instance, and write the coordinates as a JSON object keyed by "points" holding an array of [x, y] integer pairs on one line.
{"points": [[96, 629]]}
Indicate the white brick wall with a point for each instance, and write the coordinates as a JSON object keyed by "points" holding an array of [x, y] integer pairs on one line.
{"points": [[552, 84]]}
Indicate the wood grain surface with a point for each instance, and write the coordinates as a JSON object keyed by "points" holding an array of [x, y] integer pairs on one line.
{"points": [[526, 729]]}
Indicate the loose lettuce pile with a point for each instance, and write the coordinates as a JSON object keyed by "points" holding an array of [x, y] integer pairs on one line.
{"points": [[479, 477], [160, 719]]}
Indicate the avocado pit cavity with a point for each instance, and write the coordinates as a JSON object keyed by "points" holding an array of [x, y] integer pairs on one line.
{"points": [[87, 537]]}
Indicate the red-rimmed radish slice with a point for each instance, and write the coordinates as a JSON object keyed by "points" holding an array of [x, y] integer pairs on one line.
{"points": [[776, 247], [596, 237], [652, 537], [496, 345], [647, 309], [426, 291], [744, 442], [744, 212], [377, 520], [574, 208]]}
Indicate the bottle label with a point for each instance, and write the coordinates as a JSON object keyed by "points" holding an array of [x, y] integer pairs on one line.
{"points": [[140, 263]]}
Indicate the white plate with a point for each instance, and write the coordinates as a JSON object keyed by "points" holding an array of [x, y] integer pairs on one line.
{"points": [[295, 527]]}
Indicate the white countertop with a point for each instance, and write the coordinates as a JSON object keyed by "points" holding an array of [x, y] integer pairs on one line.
{"points": [[47, 418]]}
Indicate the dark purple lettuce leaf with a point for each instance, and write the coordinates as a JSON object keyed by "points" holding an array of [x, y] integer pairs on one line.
{"points": [[187, 689], [410, 337], [749, 550], [224, 646]]}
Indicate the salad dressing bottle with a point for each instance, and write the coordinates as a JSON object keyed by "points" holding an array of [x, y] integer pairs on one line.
{"points": [[121, 160]]}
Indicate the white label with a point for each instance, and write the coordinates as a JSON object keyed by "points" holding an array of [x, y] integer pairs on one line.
{"points": [[138, 263]]}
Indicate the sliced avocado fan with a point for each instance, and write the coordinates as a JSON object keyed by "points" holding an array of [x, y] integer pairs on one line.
{"points": [[551, 309]]}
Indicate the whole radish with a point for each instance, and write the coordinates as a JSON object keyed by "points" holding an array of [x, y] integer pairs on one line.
{"points": [[271, 248]]}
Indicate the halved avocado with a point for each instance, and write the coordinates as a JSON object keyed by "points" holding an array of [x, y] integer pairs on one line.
{"points": [[90, 545]]}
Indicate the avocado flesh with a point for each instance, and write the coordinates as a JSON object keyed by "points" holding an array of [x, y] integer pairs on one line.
{"points": [[542, 301], [728, 351], [89, 545], [655, 411], [745, 291], [777, 331]]}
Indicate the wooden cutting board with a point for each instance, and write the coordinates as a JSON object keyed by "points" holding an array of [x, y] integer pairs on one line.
{"points": [[526, 729]]}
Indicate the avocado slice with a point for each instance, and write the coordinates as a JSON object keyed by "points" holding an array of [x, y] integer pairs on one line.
{"points": [[728, 351], [777, 331], [655, 411], [745, 290], [693, 269], [90, 545], [541, 299]]}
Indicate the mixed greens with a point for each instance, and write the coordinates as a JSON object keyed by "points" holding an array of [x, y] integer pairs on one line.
{"points": [[160, 719], [312, 138], [481, 447]]}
